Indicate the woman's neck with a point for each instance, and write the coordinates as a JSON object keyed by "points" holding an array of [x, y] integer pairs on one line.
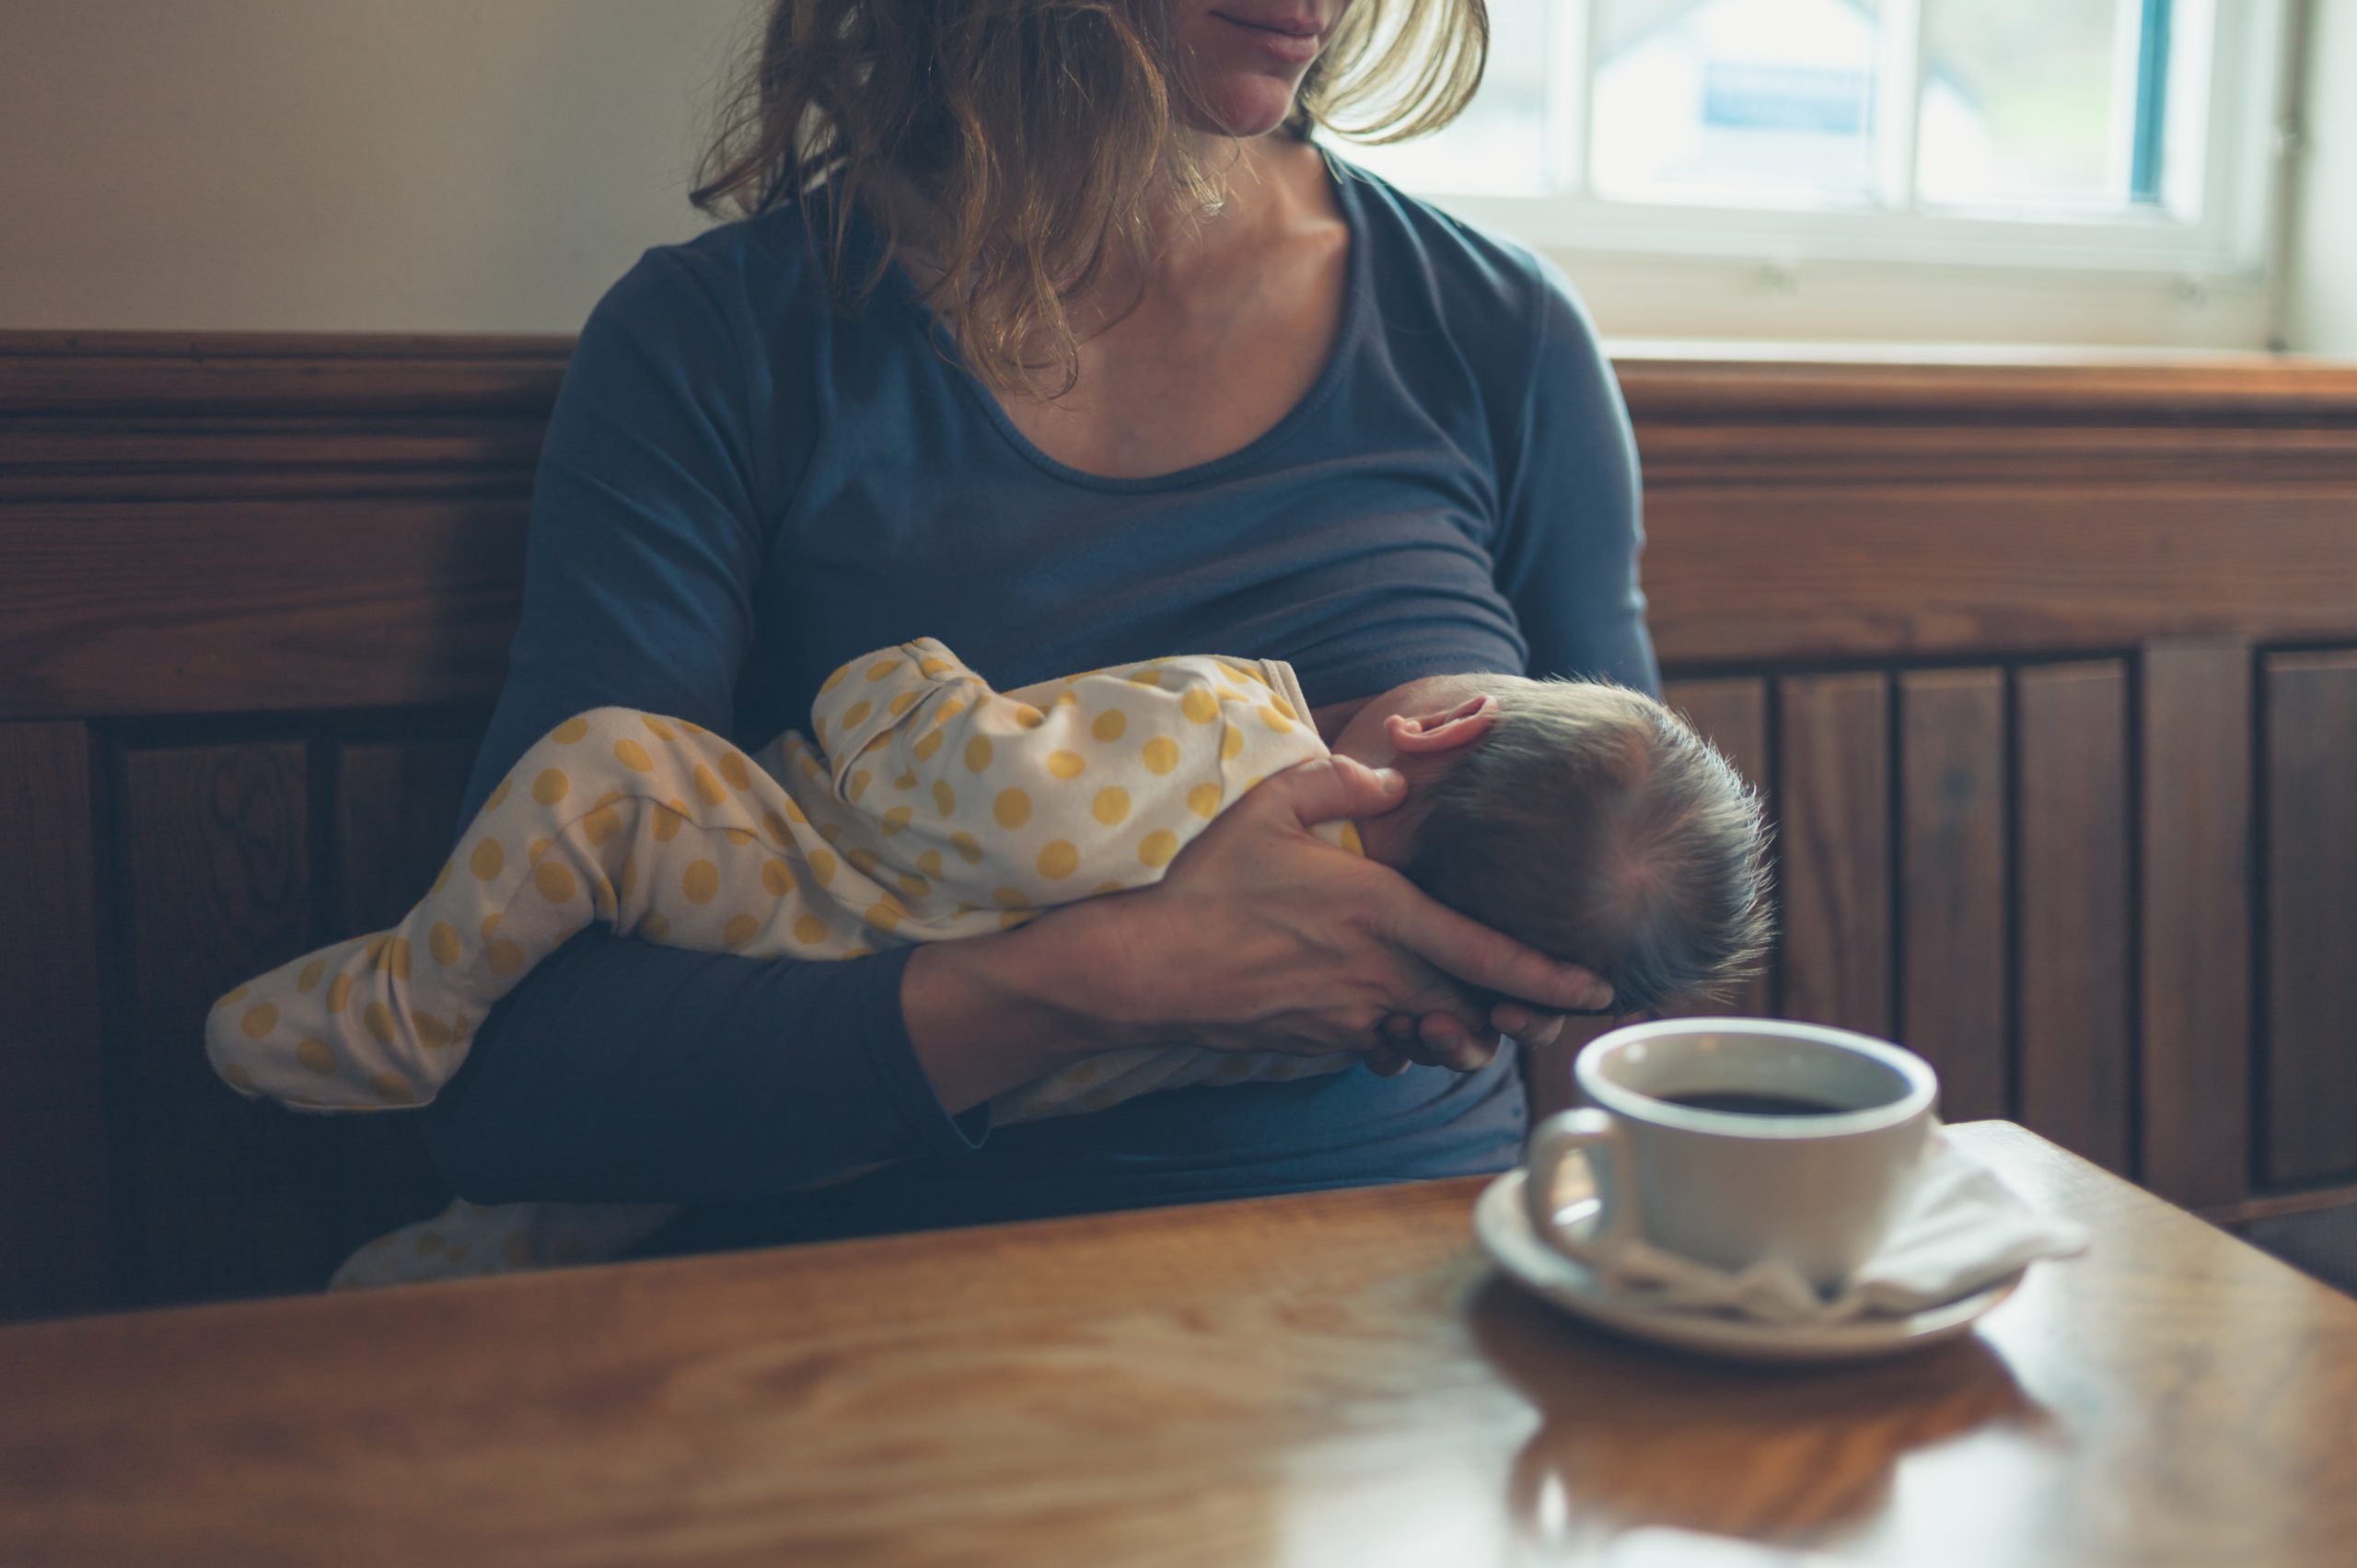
{"points": [[1270, 185]]}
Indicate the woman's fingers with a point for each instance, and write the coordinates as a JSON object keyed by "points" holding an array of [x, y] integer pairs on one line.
{"points": [[1325, 952], [1453, 1047], [1528, 1025], [1488, 960]]}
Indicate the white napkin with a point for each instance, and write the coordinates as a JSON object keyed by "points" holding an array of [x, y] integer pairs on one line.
{"points": [[1960, 1229]]}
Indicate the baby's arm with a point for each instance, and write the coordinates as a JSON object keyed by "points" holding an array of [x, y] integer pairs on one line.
{"points": [[1020, 801]]}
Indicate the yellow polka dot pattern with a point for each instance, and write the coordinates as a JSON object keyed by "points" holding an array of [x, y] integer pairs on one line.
{"points": [[966, 811]]}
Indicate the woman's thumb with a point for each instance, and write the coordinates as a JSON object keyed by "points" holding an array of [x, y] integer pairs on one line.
{"points": [[1334, 789]]}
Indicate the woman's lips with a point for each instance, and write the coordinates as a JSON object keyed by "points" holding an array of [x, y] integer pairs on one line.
{"points": [[1296, 40]]}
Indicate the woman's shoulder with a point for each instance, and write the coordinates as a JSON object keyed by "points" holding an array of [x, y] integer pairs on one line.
{"points": [[1468, 302], [1479, 281], [743, 272]]}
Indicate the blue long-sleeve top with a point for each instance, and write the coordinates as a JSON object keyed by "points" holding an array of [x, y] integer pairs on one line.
{"points": [[743, 486]]}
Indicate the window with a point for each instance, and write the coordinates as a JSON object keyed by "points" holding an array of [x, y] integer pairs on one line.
{"points": [[2133, 139]]}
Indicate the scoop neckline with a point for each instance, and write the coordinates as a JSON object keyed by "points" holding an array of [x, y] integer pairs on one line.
{"points": [[1357, 289]]}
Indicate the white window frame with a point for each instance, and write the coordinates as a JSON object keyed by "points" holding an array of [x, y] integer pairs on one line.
{"points": [[1660, 270]]}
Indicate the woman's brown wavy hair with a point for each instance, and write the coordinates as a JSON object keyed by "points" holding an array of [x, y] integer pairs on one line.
{"points": [[1039, 135]]}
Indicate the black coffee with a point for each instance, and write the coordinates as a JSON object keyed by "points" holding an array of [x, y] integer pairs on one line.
{"points": [[1740, 1103]]}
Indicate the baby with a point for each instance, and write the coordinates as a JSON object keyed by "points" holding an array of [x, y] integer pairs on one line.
{"points": [[1584, 819]]}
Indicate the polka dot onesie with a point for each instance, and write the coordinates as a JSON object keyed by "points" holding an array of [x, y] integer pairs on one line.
{"points": [[931, 808]]}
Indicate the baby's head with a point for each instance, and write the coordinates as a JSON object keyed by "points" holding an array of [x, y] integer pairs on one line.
{"points": [[1584, 819]]}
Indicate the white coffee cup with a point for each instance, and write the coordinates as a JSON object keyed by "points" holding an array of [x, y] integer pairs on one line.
{"points": [[1733, 1182]]}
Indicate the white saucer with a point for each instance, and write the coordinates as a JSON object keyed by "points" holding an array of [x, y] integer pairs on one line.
{"points": [[1503, 1223]]}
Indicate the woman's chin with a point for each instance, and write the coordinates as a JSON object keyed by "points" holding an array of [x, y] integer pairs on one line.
{"points": [[1253, 106]]}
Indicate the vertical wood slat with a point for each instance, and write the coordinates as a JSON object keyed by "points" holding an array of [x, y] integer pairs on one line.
{"points": [[1733, 716], [1833, 806], [56, 1213], [2072, 946], [216, 869], [2310, 1044], [2197, 1058], [396, 814], [1952, 891]]}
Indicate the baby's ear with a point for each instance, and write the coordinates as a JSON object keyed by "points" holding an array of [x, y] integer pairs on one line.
{"points": [[1427, 735]]}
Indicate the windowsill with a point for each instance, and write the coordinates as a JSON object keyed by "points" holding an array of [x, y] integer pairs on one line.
{"points": [[1756, 383], [1994, 355]]}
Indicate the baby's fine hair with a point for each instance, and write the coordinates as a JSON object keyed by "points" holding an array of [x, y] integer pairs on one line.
{"points": [[1593, 824]]}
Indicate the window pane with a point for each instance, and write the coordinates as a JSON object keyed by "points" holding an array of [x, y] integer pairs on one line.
{"points": [[2029, 102], [1766, 101], [1499, 144]]}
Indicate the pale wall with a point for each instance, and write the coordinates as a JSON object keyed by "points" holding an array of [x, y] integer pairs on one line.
{"points": [[344, 165], [493, 165], [2323, 298]]}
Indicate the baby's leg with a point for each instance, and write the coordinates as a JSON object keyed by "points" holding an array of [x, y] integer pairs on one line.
{"points": [[616, 816]]}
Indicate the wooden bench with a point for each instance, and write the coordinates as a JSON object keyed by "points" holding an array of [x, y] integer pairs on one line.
{"points": [[2049, 671]]}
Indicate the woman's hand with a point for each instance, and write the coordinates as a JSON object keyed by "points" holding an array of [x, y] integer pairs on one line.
{"points": [[1261, 937]]}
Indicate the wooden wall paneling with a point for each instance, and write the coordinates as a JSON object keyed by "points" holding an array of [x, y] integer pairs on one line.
{"points": [[1965, 559], [1952, 969], [2311, 830], [396, 815], [56, 1213], [1833, 806], [226, 1195], [1732, 714], [176, 517], [372, 375], [2074, 936], [1887, 510], [127, 607], [2195, 956]]}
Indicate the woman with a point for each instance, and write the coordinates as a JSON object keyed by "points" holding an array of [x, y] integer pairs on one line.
{"points": [[1051, 335]]}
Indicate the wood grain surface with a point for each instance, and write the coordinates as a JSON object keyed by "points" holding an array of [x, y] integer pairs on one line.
{"points": [[2074, 933], [1833, 811], [1795, 511], [1952, 884], [396, 815], [1733, 716], [2196, 953], [1337, 1378], [2310, 1044], [215, 876], [57, 1197]]}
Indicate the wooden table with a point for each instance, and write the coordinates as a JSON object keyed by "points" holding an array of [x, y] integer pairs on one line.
{"points": [[1337, 1378]]}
